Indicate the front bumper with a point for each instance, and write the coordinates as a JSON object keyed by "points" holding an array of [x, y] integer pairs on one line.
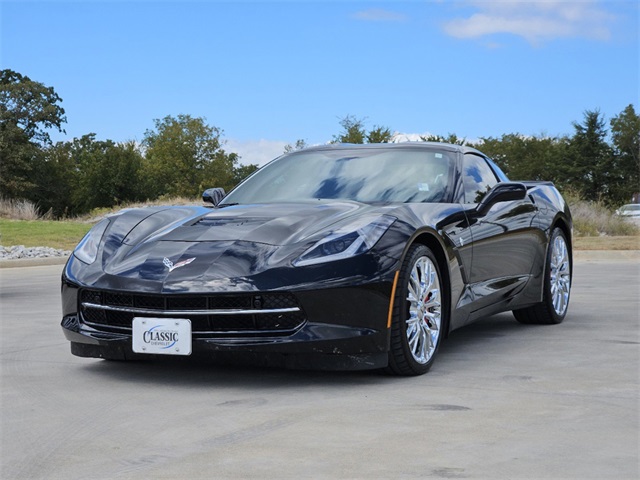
{"points": [[343, 328]]}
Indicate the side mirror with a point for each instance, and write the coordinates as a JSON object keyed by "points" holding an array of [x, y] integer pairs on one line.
{"points": [[502, 192], [213, 195]]}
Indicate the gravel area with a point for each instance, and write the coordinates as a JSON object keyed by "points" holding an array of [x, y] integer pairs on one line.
{"points": [[16, 252]]}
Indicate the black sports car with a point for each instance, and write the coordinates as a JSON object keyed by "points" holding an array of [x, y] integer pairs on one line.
{"points": [[340, 256]]}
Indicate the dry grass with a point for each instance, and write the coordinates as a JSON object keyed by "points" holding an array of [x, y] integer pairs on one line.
{"points": [[594, 219], [98, 213], [607, 243], [18, 209]]}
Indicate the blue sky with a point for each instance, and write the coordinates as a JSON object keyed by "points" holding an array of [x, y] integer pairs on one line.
{"points": [[268, 73]]}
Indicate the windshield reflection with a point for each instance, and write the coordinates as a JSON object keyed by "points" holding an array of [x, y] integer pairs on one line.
{"points": [[367, 176]]}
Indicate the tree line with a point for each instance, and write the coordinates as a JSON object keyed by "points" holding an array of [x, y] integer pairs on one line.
{"points": [[183, 155], [594, 162], [180, 156]]}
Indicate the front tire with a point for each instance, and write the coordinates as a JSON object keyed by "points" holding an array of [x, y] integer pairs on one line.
{"points": [[557, 286], [417, 317]]}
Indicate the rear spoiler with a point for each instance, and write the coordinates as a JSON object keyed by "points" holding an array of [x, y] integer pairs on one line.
{"points": [[533, 183]]}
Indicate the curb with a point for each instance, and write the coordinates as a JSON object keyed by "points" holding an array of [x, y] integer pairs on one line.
{"points": [[33, 262]]}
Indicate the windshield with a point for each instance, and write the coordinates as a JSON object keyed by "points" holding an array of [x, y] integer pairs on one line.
{"points": [[362, 175], [631, 208]]}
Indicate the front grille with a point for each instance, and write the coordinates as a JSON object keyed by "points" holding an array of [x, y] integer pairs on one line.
{"points": [[224, 315]]}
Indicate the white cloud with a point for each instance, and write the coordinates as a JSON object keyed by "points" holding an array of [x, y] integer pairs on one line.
{"points": [[379, 15], [535, 21], [399, 137], [258, 152]]}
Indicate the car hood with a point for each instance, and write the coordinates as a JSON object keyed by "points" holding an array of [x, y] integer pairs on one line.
{"points": [[198, 249], [275, 224]]}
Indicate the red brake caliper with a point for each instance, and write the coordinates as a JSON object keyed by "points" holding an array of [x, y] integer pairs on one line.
{"points": [[426, 300]]}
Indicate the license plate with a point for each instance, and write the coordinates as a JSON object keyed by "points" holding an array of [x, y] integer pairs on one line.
{"points": [[163, 336]]}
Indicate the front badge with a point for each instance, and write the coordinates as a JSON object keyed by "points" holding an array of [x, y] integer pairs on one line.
{"points": [[172, 266]]}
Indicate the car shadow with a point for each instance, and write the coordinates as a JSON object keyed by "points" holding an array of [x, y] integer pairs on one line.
{"points": [[477, 333], [204, 373], [225, 373]]}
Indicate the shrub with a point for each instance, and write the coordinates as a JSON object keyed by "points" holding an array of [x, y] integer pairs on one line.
{"points": [[18, 209]]}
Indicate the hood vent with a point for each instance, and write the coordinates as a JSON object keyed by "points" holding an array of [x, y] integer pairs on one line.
{"points": [[227, 222]]}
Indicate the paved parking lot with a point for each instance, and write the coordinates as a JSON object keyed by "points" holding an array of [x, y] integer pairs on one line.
{"points": [[502, 401]]}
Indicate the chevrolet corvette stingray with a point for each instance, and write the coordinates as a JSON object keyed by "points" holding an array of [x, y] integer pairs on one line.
{"points": [[337, 257]]}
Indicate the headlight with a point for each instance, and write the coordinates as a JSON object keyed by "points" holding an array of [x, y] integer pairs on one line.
{"points": [[347, 241], [87, 249]]}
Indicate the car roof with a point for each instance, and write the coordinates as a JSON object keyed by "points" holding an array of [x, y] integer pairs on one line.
{"points": [[389, 146]]}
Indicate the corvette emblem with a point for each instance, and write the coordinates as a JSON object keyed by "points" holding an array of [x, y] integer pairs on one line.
{"points": [[172, 266]]}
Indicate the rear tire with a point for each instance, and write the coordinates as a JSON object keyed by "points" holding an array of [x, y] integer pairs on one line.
{"points": [[417, 317], [557, 286]]}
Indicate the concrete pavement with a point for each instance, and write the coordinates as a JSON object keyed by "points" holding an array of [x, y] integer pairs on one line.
{"points": [[503, 401]]}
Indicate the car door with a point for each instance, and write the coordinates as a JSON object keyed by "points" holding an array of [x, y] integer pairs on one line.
{"points": [[504, 241]]}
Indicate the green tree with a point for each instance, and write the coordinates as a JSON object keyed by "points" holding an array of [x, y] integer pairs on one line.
{"points": [[109, 173], [450, 138], [591, 164], [625, 133], [27, 110], [379, 135], [354, 131], [184, 156], [243, 171], [299, 145], [56, 177], [86, 173], [528, 157]]}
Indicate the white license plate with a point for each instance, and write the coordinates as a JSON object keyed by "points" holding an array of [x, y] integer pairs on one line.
{"points": [[164, 336]]}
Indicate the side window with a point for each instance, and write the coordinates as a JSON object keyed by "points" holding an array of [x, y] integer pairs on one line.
{"points": [[498, 171], [477, 177]]}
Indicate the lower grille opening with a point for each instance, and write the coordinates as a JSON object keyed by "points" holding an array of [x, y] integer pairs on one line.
{"points": [[224, 315]]}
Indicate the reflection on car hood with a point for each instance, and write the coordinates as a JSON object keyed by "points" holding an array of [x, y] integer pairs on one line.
{"points": [[227, 248], [281, 224]]}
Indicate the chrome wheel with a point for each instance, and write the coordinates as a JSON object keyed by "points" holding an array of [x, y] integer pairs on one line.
{"points": [[425, 310], [559, 275], [419, 313], [557, 285]]}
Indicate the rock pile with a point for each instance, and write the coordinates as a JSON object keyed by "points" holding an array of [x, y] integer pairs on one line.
{"points": [[20, 251]]}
